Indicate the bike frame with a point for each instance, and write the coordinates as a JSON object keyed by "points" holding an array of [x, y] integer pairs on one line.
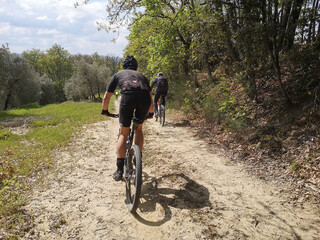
{"points": [[160, 103], [133, 169]]}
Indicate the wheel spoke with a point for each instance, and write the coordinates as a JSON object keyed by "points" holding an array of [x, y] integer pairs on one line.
{"points": [[134, 178]]}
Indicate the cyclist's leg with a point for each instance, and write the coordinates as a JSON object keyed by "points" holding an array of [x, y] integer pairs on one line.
{"points": [[164, 94], [164, 99], [138, 137], [121, 152], [142, 110], [126, 110], [125, 115], [121, 144], [155, 102]]}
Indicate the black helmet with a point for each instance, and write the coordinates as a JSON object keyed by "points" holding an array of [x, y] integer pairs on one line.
{"points": [[130, 63], [160, 74]]}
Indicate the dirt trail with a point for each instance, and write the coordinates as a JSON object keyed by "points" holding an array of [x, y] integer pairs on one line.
{"points": [[189, 192]]}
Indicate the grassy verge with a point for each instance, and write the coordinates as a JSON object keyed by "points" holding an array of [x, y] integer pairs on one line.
{"points": [[29, 138]]}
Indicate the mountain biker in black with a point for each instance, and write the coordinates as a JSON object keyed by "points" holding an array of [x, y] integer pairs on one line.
{"points": [[136, 99], [161, 90]]}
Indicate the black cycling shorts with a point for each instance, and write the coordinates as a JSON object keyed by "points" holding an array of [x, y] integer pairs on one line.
{"points": [[133, 103], [160, 92]]}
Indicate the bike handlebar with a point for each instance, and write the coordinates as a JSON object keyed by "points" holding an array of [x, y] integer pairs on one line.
{"points": [[150, 115], [106, 113]]}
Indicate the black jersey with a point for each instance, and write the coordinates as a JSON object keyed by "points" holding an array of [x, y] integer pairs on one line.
{"points": [[160, 82], [129, 80]]}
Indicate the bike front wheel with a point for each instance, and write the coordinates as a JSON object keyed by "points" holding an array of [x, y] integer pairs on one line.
{"points": [[133, 178]]}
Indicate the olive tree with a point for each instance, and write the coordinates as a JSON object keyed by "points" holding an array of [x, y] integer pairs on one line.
{"points": [[20, 84], [88, 82]]}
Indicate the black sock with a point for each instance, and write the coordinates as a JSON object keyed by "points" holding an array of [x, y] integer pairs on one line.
{"points": [[120, 164]]}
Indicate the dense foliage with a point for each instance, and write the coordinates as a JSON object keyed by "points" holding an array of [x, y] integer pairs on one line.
{"points": [[52, 76], [243, 64], [250, 66], [89, 80], [19, 83], [208, 49]]}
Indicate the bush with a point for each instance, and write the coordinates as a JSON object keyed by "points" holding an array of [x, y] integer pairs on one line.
{"points": [[304, 73], [47, 94], [219, 105]]}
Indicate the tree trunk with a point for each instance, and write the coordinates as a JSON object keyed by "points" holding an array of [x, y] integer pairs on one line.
{"points": [[302, 28], [209, 71], [296, 9], [284, 21], [253, 83], [312, 22], [208, 66], [232, 50], [315, 17], [271, 42], [276, 64], [6, 104]]}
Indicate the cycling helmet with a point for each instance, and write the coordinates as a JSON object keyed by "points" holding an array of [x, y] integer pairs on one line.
{"points": [[130, 63], [160, 74]]}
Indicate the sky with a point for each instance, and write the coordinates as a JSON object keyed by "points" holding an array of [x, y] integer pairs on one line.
{"points": [[39, 24]]}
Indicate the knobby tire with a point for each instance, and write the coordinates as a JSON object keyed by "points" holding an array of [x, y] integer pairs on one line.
{"points": [[162, 115], [133, 184]]}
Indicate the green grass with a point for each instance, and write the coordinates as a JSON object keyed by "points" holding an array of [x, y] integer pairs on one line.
{"points": [[24, 156]]}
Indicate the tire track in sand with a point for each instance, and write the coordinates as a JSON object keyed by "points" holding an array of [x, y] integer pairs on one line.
{"points": [[189, 192]]}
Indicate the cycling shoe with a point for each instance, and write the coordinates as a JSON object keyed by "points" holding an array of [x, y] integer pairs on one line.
{"points": [[117, 176]]}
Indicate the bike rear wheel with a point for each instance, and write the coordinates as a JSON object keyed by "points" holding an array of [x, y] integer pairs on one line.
{"points": [[162, 115], [158, 112], [133, 178]]}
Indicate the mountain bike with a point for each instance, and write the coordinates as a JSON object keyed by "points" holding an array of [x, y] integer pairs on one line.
{"points": [[132, 169], [161, 111]]}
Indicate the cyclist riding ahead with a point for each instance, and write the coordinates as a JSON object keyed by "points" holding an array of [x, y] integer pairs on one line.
{"points": [[161, 90], [136, 101]]}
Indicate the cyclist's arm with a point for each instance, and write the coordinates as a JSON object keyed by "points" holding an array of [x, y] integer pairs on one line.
{"points": [[153, 83], [151, 105], [109, 92], [106, 100]]}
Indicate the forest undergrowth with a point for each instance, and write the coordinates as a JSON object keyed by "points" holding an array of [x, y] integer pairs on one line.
{"points": [[275, 141], [293, 158]]}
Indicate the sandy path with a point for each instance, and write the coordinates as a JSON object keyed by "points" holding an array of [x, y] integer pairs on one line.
{"points": [[189, 192]]}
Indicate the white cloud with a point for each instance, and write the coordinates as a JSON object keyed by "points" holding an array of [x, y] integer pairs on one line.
{"points": [[4, 28], [23, 31], [59, 17], [47, 31], [42, 18], [41, 24]]}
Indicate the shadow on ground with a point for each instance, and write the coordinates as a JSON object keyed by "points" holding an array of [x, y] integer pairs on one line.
{"points": [[158, 197], [183, 123]]}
